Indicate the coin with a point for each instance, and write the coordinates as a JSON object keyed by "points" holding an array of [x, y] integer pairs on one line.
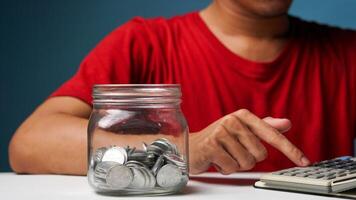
{"points": [[102, 169], [154, 149], [176, 160], [168, 145], [115, 154], [139, 156], [169, 176], [139, 180], [129, 150], [134, 163], [98, 155], [99, 180], [119, 177], [150, 179], [158, 164]]}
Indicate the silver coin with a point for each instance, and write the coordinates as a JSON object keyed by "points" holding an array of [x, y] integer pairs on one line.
{"points": [[174, 158], [154, 149], [159, 163], [115, 154], [150, 179], [169, 176], [99, 180], [99, 153], [163, 145], [185, 179], [97, 156], [129, 150], [151, 159], [119, 177], [102, 169], [134, 163], [139, 156], [168, 145], [140, 151], [139, 179]]}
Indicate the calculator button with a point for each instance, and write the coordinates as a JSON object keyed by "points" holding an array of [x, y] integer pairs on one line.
{"points": [[351, 171], [336, 171], [349, 164], [289, 173], [320, 164], [301, 175], [329, 173], [280, 172], [340, 171], [320, 171], [350, 167], [302, 171], [328, 177], [316, 176], [330, 165]]}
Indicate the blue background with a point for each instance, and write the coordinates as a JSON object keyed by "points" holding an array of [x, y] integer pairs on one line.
{"points": [[43, 42]]}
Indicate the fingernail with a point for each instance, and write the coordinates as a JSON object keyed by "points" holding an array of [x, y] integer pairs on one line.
{"points": [[305, 161]]}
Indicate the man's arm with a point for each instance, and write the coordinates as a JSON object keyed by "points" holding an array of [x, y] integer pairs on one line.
{"points": [[53, 139]]}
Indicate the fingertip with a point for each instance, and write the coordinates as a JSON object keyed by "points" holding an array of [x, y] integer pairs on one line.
{"points": [[304, 161]]}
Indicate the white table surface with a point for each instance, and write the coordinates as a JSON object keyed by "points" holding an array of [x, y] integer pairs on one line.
{"points": [[206, 186]]}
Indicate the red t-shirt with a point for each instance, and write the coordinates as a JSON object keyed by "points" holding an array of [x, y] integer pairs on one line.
{"points": [[312, 82]]}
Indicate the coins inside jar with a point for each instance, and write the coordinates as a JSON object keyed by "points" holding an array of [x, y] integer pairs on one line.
{"points": [[159, 164]]}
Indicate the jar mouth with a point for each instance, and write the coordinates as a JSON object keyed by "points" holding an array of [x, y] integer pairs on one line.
{"points": [[136, 94]]}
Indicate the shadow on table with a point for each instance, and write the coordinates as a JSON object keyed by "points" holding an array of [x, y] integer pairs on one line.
{"points": [[225, 181]]}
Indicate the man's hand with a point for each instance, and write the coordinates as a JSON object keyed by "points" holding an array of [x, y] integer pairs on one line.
{"points": [[232, 143]]}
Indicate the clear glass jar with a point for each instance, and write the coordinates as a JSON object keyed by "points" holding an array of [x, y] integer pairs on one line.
{"points": [[137, 140]]}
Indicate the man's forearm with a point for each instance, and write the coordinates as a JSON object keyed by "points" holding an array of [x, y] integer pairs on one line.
{"points": [[58, 144], [55, 144]]}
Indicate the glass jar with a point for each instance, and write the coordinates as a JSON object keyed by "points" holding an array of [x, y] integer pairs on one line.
{"points": [[137, 140]]}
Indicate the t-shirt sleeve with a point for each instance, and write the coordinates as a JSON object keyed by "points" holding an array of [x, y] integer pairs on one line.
{"points": [[120, 58]]}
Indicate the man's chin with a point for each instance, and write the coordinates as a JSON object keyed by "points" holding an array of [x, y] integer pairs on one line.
{"points": [[267, 8], [272, 14]]}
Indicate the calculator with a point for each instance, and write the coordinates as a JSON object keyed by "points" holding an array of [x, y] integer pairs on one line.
{"points": [[329, 176]]}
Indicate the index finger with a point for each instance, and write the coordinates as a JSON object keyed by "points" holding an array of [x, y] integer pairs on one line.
{"points": [[272, 136]]}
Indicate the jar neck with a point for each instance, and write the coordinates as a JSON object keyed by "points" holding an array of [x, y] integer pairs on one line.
{"points": [[137, 95]]}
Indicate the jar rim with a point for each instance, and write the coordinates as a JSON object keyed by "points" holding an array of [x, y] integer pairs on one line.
{"points": [[136, 94], [134, 85]]}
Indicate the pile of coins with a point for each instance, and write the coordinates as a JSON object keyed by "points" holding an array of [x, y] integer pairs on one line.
{"points": [[159, 164]]}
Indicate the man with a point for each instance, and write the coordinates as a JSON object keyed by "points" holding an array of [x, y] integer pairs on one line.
{"points": [[238, 61]]}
